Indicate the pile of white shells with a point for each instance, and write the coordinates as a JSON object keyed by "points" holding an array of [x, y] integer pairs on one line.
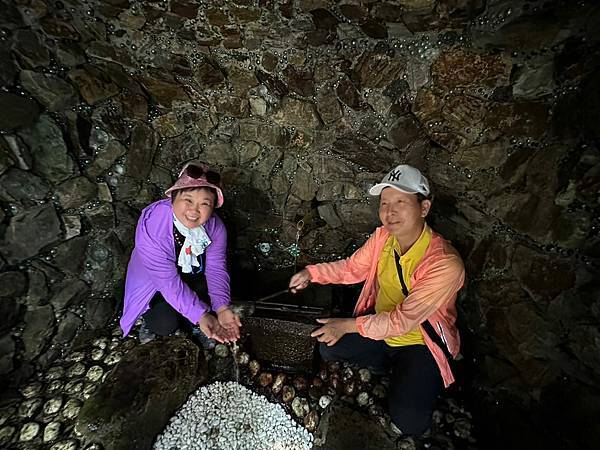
{"points": [[230, 416]]}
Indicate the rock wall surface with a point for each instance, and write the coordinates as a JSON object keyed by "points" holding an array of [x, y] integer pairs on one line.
{"points": [[302, 104]]}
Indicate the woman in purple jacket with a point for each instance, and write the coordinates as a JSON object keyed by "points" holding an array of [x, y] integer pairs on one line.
{"points": [[178, 265]]}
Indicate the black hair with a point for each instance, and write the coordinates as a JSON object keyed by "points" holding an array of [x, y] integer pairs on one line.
{"points": [[176, 192], [421, 197]]}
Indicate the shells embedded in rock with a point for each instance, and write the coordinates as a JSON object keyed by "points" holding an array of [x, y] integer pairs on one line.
{"points": [[364, 375], [71, 409], [376, 410], [300, 383], [113, 358], [30, 407], [347, 374], [311, 420], [95, 373], [254, 367], [350, 387], [54, 386], [69, 444], [288, 393], [51, 431], [76, 370], [31, 389], [242, 358], [317, 381], [335, 382], [324, 401], [97, 354], [278, 383], [265, 379], [323, 374], [300, 407], [363, 399], [54, 373], [6, 434], [221, 350], [380, 391], [74, 387], [100, 342], [53, 405], [29, 431], [75, 357]]}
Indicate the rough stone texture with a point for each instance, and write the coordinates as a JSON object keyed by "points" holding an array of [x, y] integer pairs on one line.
{"points": [[75, 192], [30, 231], [51, 91], [39, 322], [302, 106], [50, 157], [177, 368], [344, 428]]}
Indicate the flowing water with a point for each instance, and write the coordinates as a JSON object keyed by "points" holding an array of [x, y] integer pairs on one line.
{"points": [[235, 348]]}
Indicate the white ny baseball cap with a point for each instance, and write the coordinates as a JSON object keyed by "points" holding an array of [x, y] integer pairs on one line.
{"points": [[404, 178]]}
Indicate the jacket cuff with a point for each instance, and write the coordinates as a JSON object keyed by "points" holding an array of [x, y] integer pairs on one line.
{"points": [[360, 325], [197, 313]]}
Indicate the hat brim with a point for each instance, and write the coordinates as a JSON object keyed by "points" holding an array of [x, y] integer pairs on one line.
{"points": [[376, 190], [196, 183]]}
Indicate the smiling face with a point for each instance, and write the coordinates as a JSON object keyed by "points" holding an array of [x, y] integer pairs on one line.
{"points": [[402, 215], [194, 207]]}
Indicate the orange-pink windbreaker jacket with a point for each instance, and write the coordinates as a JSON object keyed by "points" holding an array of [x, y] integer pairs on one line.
{"points": [[434, 286]]}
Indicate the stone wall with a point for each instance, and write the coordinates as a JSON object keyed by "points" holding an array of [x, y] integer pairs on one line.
{"points": [[302, 105]]}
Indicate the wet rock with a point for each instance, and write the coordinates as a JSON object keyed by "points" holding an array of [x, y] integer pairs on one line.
{"points": [[18, 185], [348, 94], [241, 80], [7, 353], [69, 255], [144, 141], [18, 111], [69, 444], [69, 54], [94, 85], [457, 67], [50, 90], [168, 125], [12, 284], [6, 434], [341, 427], [50, 156], [178, 368], [39, 327], [29, 431], [72, 224], [304, 186], [105, 157], [52, 406], [299, 81], [30, 231], [164, 92], [67, 327], [51, 431], [8, 70], [297, 113], [76, 192], [543, 276], [329, 108], [231, 106], [29, 48], [98, 312], [378, 70]]}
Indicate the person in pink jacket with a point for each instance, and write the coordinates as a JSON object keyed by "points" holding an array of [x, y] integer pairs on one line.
{"points": [[404, 318]]}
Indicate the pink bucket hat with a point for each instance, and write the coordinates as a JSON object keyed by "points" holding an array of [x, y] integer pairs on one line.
{"points": [[196, 175]]}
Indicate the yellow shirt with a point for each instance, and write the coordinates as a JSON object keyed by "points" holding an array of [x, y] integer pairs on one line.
{"points": [[390, 290]]}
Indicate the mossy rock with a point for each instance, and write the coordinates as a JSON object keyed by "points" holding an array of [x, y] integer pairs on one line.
{"points": [[139, 396]]}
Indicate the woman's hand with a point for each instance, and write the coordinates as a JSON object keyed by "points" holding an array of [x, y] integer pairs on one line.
{"points": [[300, 281], [230, 321], [333, 330], [211, 327]]}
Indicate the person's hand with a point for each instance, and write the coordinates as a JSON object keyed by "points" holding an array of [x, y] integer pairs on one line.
{"points": [[333, 330], [300, 281], [230, 321], [211, 327]]}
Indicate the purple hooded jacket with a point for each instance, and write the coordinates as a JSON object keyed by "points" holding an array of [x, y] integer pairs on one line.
{"points": [[153, 267]]}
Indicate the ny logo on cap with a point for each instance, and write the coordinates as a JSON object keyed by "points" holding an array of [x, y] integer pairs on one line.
{"points": [[394, 175]]}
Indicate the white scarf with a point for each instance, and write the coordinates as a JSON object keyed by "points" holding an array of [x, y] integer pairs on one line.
{"points": [[196, 241]]}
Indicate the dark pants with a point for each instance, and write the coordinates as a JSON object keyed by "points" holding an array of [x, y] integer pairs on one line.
{"points": [[163, 319], [415, 379]]}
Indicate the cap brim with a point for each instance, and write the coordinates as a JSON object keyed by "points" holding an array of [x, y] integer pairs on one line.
{"points": [[376, 190]]}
